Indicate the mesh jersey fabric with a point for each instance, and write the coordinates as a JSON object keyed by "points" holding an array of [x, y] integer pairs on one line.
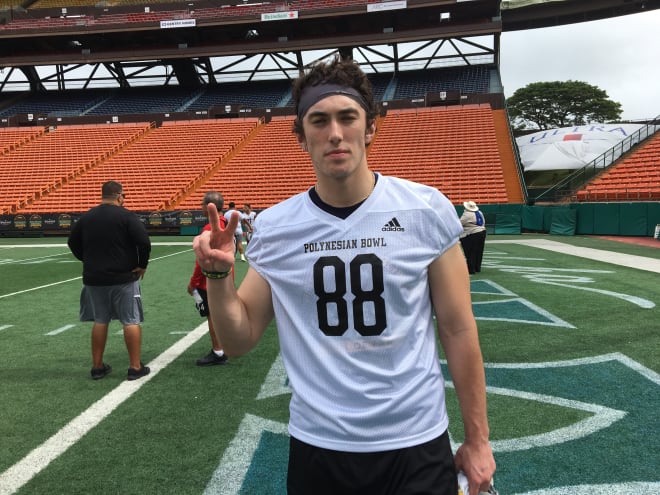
{"points": [[355, 325]]}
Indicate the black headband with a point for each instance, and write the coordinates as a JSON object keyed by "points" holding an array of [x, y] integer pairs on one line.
{"points": [[313, 94]]}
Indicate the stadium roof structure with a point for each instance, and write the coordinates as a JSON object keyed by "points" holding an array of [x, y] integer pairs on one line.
{"points": [[200, 42]]}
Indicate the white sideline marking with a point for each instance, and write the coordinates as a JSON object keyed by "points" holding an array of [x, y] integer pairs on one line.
{"points": [[60, 330], [276, 381], [39, 287], [632, 487], [29, 260], [79, 278], [37, 460], [5, 327], [629, 260]]}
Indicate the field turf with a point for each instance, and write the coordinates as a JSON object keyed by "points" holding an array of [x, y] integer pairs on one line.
{"points": [[571, 346]]}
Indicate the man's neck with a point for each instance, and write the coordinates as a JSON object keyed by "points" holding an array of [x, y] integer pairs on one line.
{"points": [[350, 192]]}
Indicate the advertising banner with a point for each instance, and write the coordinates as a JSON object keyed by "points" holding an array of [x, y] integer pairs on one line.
{"points": [[54, 222]]}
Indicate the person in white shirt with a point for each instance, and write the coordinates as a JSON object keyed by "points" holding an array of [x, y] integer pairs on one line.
{"points": [[238, 231], [248, 221], [354, 271]]}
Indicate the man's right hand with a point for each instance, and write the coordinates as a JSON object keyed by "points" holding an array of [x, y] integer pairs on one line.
{"points": [[215, 249]]}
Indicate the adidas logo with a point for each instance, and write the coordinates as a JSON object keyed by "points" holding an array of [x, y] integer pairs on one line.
{"points": [[393, 226]]}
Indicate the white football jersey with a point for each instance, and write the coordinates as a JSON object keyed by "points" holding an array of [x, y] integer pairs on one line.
{"points": [[353, 313]]}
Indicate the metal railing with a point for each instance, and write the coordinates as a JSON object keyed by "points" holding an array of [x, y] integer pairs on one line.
{"points": [[570, 184], [516, 155]]}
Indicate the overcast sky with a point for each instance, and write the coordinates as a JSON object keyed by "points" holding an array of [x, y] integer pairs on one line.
{"points": [[620, 55]]}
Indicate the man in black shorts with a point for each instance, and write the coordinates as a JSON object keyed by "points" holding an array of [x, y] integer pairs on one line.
{"points": [[363, 274], [197, 284]]}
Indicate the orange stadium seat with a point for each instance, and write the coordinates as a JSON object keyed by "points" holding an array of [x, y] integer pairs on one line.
{"points": [[454, 149], [636, 177], [29, 173], [154, 169], [170, 167]]}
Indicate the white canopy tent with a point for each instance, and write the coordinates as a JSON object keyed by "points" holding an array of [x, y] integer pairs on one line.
{"points": [[569, 148]]}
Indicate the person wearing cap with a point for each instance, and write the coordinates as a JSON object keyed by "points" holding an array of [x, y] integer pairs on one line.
{"points": [[473, 238], [353, 279]]}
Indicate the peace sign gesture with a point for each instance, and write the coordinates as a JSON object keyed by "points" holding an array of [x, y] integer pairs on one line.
{"points": [[215, 248]]}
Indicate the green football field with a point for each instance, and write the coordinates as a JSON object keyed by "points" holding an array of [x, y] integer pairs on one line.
{"points": [[570, 332]]}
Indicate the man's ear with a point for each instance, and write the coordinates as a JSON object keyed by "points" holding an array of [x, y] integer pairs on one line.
{"points": [[303, 143], [370, 133]]}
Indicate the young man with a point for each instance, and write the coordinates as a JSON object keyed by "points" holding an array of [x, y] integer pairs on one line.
{"points": [[114, 247], [248, 221], [238, 233], [198, 283], [353, 271]]}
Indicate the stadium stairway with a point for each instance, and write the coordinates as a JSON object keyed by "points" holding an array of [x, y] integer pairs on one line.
{"points": [[37, 169], [267, 169], [455, 149], [505, 146]]}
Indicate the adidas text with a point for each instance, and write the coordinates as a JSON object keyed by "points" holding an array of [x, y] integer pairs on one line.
{"points": [[393, 226]]}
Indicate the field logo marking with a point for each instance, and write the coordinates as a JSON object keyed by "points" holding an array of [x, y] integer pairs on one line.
{"points": [[563, 277], [249, 453], [513, 309], [237, 459]]}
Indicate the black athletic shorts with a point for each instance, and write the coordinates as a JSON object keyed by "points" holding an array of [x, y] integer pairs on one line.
{"points": [[426, 469], [203, 307]]}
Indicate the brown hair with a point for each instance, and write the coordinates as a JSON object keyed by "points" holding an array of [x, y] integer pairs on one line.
{"points": [[338, 71]]}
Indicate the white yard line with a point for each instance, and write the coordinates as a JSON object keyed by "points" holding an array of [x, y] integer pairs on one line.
{"points": [[2, 296], [629, 260], [24, 470]]}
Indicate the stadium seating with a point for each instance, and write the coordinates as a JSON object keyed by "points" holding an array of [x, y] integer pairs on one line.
{"points": [[636, 177], [454, 149], [262, 94], [417, 83], [154, 170], [464, 151], [52, 159], [269, 167], [141, 17], [143, 100], [14, 137], [59, 103]]}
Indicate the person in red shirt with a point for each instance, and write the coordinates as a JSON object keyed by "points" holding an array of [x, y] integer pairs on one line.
{"points": [[197, 289]]}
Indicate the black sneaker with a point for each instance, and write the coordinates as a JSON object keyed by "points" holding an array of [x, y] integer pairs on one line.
{"points": [[134, 374], [98, 373], [212, 359]]}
